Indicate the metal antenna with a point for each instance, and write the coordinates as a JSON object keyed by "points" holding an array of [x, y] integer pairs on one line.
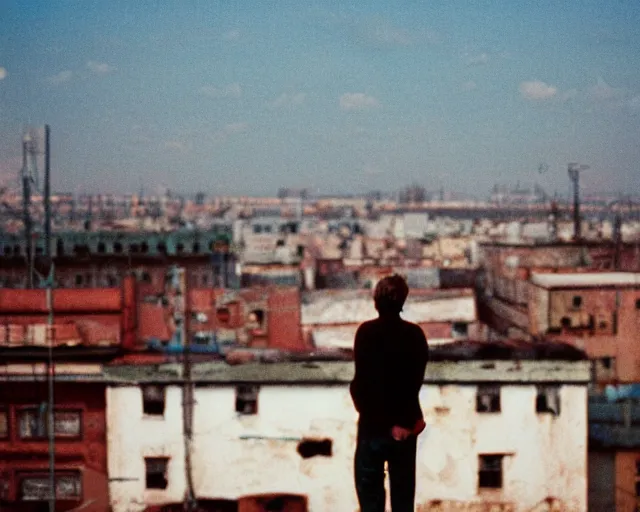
{"points": [[574, 174]]}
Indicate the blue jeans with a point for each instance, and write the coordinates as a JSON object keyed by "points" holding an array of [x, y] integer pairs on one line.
{"points": [[371, 454]]}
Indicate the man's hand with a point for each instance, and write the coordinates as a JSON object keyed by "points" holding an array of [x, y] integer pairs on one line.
{"points": [[400, 433], [420, 426]]}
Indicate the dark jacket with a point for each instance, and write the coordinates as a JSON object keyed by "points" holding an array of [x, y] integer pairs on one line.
{"points": [[391, 356]]}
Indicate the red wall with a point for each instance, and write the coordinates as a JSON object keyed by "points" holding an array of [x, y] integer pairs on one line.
{"points": [[87, 454]]}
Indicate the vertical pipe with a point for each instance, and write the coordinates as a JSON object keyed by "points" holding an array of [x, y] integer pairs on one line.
{"points": [[47, 193], [50, 375], [187, 392], [26, 206]]}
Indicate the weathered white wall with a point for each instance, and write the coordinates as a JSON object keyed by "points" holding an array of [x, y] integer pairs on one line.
{"points": [[549, 454], [131, 437]]}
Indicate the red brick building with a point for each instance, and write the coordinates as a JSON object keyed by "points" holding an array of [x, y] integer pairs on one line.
{"points": [[80, 445]]}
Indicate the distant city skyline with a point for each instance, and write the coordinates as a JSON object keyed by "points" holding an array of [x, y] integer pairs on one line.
{"points": [[238, 99]]}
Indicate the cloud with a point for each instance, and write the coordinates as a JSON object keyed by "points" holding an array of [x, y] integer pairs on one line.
{"points": [[469, 86], [286, 100], [383, 33], [634, 102], [357, 101], [601, 91], [375, 32], [63, 76], [231, 35], [236, 128], [228, 91], [478, 60], [178, 145], [3, 73], [537, 90], [371, 170], [99, 68]]}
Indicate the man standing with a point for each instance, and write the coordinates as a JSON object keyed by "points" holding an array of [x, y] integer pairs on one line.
{"points": [[391, 356]]}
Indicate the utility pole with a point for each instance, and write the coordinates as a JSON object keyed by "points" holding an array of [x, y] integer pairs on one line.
{"points": [[183, 311], [50, 382], [574, 174], [47, 192], [27, 175]]}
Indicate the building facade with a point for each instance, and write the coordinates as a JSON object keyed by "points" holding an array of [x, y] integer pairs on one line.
{"points": [[80, 461], [597, 312], [502, 434]]}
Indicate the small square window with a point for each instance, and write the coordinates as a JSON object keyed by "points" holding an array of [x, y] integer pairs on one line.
{"points": [[490, 471], [637, 303], [577, 301], [488, 398], [156, 476], [153, 400], [247, 399], [459, 330], [548, 400]]}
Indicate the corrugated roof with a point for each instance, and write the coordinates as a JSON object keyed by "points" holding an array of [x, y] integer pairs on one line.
{"points": [[586, 280]]}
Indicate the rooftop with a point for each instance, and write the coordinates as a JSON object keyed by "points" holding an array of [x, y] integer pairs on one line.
{"points": [[587, 280], [464, 362], [356, 306]]}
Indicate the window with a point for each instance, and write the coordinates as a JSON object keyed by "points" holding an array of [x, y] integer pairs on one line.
{"points": [[488, 398], [36, 488], [156, 472], [490, 471], [247, 399], [79, 279], [577, 301], [256, 318], [459, 330], [223, 315], [153, 400], [4, 424], [637, 303], [548, 400], [308, 448], [33, 423]]}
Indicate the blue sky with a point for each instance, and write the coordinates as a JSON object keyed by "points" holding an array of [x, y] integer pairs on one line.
{"points": [[245, 97]]}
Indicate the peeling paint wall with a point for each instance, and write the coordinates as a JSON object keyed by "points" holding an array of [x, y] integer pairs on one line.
{"points": [[236, 456]]}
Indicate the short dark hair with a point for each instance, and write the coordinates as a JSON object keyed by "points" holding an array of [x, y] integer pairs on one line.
{"points": [[390, 294]]}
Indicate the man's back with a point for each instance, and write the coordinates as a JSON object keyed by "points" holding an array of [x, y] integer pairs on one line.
{"points": [[391, 355]]}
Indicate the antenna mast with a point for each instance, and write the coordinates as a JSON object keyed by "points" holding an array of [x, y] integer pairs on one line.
{"points": [[574, 174]]}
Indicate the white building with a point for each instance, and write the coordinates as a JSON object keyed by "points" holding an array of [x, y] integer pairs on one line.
{"points": [[510, 434]]}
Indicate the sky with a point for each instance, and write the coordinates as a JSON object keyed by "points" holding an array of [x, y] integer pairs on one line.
{"points": [[244, 97]]}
